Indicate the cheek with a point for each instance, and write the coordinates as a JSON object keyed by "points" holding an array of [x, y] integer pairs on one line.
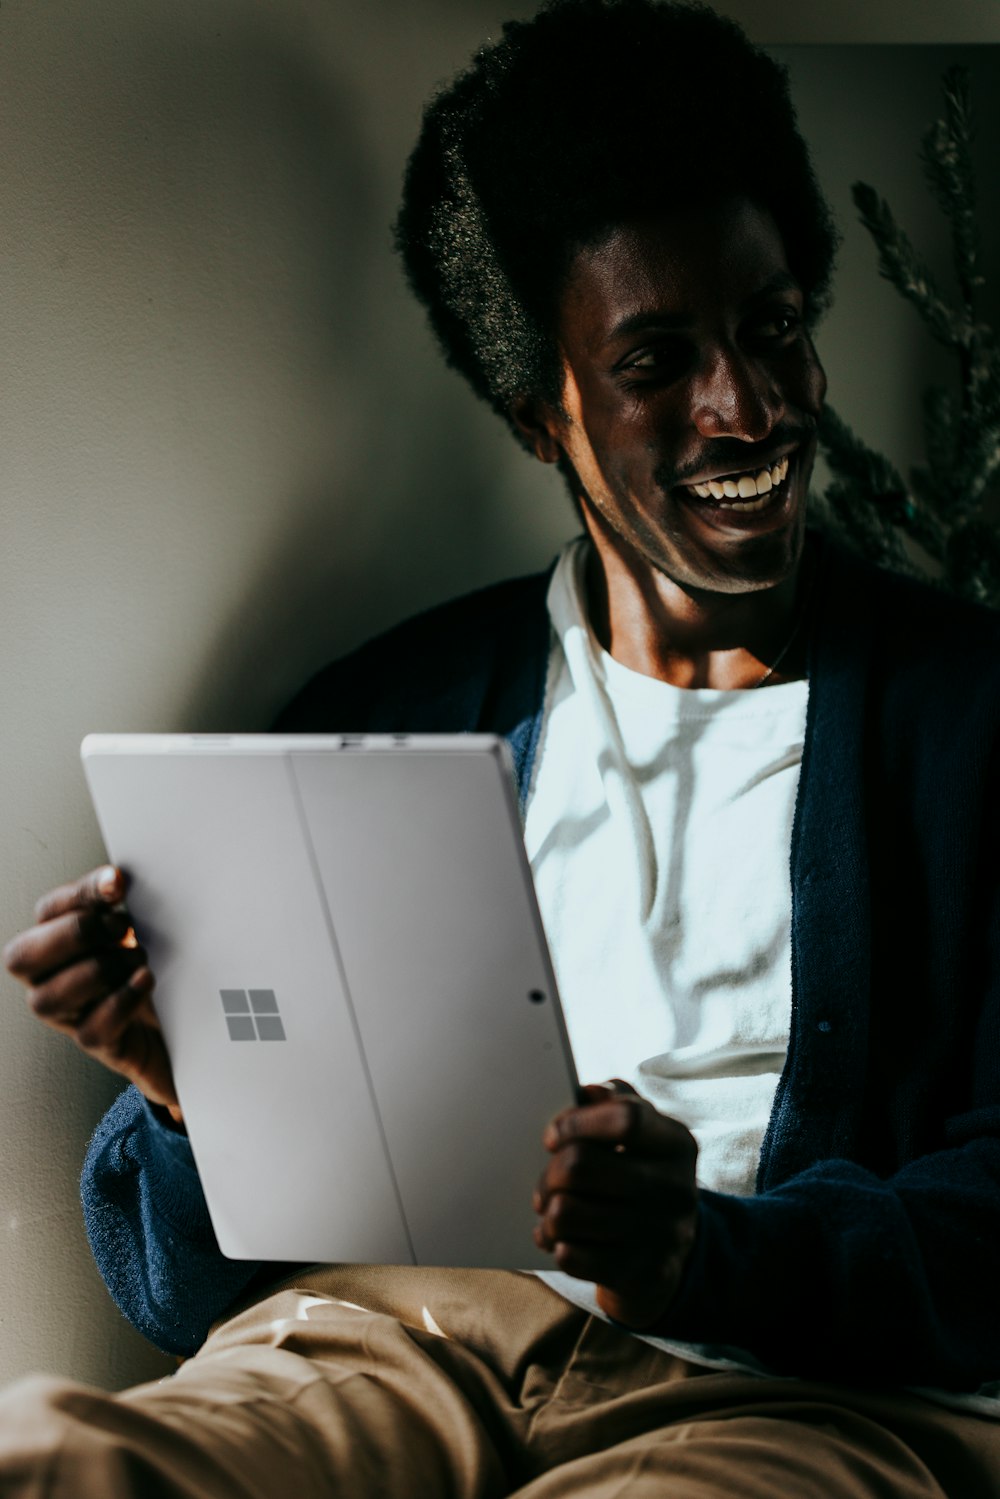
{"points": [[608, 449], [614, 442], [577, 446], [629, 465], [811, 383]]}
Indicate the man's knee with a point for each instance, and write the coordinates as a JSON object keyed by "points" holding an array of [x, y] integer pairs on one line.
{"points": [[43, 1420]]}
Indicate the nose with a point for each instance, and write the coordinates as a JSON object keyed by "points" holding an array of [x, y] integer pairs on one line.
{"points": [[735, 396]]}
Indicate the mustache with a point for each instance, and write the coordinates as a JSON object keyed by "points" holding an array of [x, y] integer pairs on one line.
{"points": [[730, 454]]}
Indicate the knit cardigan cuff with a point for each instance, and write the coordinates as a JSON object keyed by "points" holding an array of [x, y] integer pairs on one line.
{"points": [[174, 1183]]}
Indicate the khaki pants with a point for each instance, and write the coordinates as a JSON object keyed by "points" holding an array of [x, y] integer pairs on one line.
{"points": [[471, 1385]]}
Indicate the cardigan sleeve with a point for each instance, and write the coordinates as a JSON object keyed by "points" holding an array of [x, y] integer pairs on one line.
{"points": [[839, 1275], [150, 1232]]}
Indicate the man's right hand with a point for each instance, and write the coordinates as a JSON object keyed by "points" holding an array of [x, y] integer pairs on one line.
{"points": [[87, 976]]}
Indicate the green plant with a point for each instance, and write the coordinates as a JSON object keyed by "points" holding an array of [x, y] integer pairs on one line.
{"points": [[942, 507]]}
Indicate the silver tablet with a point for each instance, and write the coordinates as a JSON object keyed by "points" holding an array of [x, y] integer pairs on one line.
{"points": [[353, 984]]}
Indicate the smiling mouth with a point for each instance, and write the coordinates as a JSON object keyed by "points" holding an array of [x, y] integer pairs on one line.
{"points": [[744, 492]]}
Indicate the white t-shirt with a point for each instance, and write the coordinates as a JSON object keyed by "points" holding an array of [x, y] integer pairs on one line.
{"points": [[658, 827]]}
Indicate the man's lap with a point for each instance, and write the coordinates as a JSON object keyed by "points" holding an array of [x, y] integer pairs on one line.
{"points": [[477, 1384]]}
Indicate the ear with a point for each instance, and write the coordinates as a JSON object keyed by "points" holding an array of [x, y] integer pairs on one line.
{"points": [[539, 425]]}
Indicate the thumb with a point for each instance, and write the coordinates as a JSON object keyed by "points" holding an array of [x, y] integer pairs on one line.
{"points": [[616, 1087]]}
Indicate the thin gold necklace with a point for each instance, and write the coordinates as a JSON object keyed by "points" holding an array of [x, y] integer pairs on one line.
{"points": [[796, 627]]}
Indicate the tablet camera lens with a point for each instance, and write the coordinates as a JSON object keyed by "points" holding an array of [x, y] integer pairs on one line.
{"points": [[536, 996]]}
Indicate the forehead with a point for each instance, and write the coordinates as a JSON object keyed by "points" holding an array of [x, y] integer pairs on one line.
{"points": [[682, 269]]}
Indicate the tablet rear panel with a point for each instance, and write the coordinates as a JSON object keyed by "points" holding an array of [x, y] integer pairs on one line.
{"points": [[353, 985], [421, 860], [224, 897]]}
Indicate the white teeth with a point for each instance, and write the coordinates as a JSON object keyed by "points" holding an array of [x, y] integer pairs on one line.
{"points": [[745, 506], [749, 491]]}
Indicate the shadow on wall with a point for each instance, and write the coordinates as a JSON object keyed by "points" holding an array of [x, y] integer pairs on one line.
{"points": [[398, 494], [446, 525]]}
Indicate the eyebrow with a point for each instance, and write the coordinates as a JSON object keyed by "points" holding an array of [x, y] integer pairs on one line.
{"points": [[638, 322]]}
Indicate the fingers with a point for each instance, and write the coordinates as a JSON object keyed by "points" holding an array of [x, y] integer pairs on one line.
{"points": [[640, 1206], [566, 1218], [616, 1150], [122, 1032], [618, 1200], [102, 886], [70, 921], [88, 977], [69, 994], [63, 940], [595, 1193], [608, 1267], [595, 1171], [614, 1119], [628, 1252], [106, 1031], [112, 1021]]}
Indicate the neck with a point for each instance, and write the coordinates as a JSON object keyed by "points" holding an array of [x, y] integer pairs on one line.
{"points": [[694, 637]]}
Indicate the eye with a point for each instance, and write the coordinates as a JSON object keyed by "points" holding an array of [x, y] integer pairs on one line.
{"points": [[778, 324], [664, 360], [651, 359]]}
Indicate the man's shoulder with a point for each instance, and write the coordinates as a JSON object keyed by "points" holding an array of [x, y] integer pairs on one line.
{"points": [[437, 670], [488, 609]]}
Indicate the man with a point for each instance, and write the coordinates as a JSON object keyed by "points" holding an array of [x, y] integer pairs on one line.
{"points": [[790, 1211]]}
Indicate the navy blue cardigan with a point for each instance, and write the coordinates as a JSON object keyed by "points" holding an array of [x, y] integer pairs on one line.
{"points": [[871, 1250]]}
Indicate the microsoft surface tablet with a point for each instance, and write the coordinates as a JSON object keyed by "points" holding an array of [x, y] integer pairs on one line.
{"points": [[353, 984]]}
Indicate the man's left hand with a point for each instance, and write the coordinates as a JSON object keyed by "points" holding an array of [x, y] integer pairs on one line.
{"points": [[617, 1202]]}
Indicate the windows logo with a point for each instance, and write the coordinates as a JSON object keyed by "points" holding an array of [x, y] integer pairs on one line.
{"points": [[252, 1015]]}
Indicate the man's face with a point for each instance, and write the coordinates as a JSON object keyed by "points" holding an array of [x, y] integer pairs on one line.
{"points": [[689, 371]]}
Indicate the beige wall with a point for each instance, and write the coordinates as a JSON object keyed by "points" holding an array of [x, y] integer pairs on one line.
{"points": [[229, 448]]}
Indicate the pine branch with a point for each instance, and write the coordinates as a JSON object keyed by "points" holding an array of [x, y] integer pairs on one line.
{"points": [[868, 499], [973, 562], [947, 161], [984, 375], [982, 464], [977, 455], [853, 460], [899, 263], [940, 509], [942, 418]]}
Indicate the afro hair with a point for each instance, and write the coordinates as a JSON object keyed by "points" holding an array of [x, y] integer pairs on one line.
{"points": [[592, 113]]}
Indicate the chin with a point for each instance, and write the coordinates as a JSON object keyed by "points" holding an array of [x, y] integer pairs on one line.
{"points": [[755, 563]]}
